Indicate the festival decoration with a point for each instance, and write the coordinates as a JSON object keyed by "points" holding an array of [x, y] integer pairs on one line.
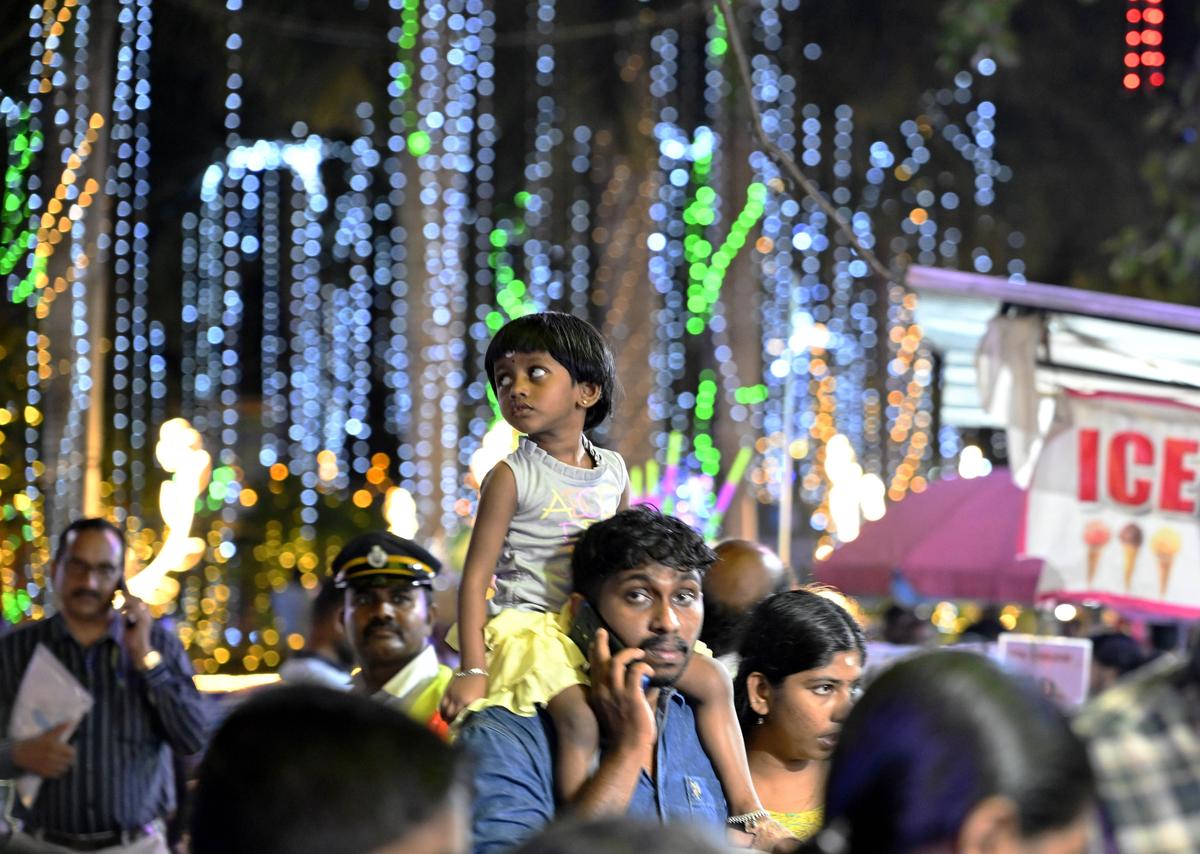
{"points": [[350, 285], [1144, 57], [179, 452]]}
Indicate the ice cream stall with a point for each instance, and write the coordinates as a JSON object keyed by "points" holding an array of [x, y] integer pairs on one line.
{"points": [[1099, 398]]}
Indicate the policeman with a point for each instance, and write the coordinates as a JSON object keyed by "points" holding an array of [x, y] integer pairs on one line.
{"points": [[389, 614]]}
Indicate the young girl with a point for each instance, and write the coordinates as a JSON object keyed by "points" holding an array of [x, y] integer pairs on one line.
{"points": [[554, 378]]}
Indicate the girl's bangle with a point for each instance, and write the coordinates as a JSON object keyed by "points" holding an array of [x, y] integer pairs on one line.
{"points": [[748, 820], [474, 671]]}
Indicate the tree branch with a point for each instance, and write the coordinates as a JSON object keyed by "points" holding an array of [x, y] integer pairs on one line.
{"points": [[782, 159]]}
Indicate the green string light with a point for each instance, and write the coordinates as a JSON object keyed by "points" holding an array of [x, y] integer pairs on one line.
{"points": [[707, 454], [418, 143], [748, 395], [718, 45], [706, 267], [511, 292], [17, 237], [406, 42]]}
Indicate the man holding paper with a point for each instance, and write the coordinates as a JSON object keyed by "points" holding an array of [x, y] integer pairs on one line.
{"points": [[108, 787]]}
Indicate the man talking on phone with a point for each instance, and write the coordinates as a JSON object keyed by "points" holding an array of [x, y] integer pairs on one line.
{"points": [[107, 786], [637, 578]]}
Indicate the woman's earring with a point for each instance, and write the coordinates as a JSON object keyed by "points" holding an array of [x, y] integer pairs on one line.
{"points": [[759, 721]]}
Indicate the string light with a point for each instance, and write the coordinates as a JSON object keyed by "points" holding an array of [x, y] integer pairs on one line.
{"points": [[666, 242], [1144, 57], [401, 109], [341, 275], [119, 186], [139, 158], [480, 26], [543, 286], [69, 471]]}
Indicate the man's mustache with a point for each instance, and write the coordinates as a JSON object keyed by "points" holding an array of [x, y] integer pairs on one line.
{"points": [[90, 594], [381, 625], [663, 644]]}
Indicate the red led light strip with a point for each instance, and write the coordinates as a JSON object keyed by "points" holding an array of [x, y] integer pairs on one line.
{"points": [[1144, 56]]}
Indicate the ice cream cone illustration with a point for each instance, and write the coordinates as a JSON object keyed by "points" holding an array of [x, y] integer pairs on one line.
{"points": [[1095, 536], [1131, 543], [1165, 545]]}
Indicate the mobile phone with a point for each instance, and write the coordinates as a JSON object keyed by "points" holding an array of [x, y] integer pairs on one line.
{"points": [[587, 623], [128, 621]]}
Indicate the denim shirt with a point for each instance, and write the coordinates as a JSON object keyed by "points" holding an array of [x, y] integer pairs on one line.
{"points": [[514, 774]]}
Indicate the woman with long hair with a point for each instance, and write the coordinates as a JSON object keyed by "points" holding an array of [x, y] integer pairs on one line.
{"points": [[801, 659]]}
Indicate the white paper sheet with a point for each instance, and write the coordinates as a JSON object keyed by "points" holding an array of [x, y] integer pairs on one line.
{"points": [[49, 695]]}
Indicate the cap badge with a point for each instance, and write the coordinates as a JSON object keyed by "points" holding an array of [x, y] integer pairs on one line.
{"points": [[377, 557]]}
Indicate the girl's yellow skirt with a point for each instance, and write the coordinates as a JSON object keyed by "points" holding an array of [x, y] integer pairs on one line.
{"points": [[530, 659]]}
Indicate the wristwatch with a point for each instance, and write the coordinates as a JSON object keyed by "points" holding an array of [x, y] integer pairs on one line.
{"points": [[151, 660]]}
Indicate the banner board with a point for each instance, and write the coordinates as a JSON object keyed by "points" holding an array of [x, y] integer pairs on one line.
{"points": [[1112, 509], [1061, 667]]}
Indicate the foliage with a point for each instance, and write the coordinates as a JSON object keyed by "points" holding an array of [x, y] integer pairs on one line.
{"points": [[971, 29], [1159, 257]]}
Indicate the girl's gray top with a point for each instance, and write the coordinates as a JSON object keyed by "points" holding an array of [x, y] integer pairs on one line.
{"points": [[555, 502]]}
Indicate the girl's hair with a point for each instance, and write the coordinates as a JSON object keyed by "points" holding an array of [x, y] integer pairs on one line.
{"points": [[935, 735], [573, 343], [788, 633]]}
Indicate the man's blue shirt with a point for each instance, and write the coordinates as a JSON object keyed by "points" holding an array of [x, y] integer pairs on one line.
{"points": [[514, 774]]}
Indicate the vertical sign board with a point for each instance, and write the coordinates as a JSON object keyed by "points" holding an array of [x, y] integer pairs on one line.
{"points": [[1061, 667], [1112, 509]]}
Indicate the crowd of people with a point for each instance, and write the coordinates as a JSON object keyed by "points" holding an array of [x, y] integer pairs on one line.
{"points": [[620, 687], [943, 749]]}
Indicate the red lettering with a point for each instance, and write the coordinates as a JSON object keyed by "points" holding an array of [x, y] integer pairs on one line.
{"points": [[1119, 486], [1089, 471], [1176, 474]]}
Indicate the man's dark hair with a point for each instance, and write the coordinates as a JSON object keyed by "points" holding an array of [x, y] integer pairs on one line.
{"points": [[330, 600], [300, 769], [936, 734], [789, 633], [901, 626], [93, 523], [633, 538], [573, 343], [1118, 651], [1164, 637]]}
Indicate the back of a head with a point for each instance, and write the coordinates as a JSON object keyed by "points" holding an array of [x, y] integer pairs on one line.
{"points": [[303, 769], [329, 602], [934, 736], [744, 574], [1117, 651], [632, 538], [901, 625], [621, 835], [1164, 637]]}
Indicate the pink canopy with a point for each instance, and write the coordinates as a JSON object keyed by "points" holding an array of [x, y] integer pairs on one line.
{"points": [[955, 540]]}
